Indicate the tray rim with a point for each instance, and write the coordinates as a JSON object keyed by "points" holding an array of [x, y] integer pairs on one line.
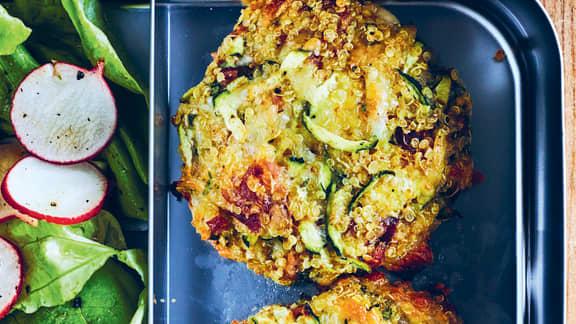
{"points": [[564, 163]]}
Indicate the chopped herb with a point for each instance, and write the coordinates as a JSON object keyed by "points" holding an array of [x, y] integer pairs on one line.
{"points": [[215, 89], [296, 159], [207, 187], [387, 313]]}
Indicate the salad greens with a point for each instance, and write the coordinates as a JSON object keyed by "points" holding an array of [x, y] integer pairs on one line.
{"points": [[16, 66], [80, 24], [86, 16], [59, 260], [80, 273], [108, 297], [132, 202], [12, 32]]}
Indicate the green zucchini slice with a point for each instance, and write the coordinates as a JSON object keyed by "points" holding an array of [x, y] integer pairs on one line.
{"points": [[336, 141], [249, 240], [294, 60], [226, 105], [443, 90], [237, 46], [368, 187], [415, 87], [325, 177], [337, 202], [313, 236]]}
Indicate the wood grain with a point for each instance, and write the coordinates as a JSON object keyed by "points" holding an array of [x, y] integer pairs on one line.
{"points": [[563, 14]]}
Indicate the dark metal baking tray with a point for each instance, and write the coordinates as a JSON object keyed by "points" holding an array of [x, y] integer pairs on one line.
{"points": [[503, 260]]}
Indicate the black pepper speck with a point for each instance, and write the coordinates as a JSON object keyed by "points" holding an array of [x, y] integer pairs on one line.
{"points": [[77, 302]]}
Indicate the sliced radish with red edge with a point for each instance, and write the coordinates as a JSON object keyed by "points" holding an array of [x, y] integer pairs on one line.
{"points": [[10, 152], [60, 194], [64, 114], [11, 274]]}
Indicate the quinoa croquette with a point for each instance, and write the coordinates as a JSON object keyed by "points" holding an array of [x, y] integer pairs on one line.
{"points": [[369, 300], [321, 141]]}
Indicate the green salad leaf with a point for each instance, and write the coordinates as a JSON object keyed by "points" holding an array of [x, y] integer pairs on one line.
{"points": [[86, 17], [131, 197], [13, 68], [54, 36], [5, 105], [59, 260], [136, 260], [110, 296], [140, 314], [67, 27], [13, 32], [104, 229], [44, 16], [16, 66]]}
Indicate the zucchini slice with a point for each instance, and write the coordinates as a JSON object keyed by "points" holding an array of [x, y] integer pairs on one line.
{"points": [[276, 314], [307, 319], [294, 60], [249, 240], [336, 141], [337, 203], [443, 90], [325, 176], [360, 265], [336, 200], [236, 46], [226, 104], [368, 187], [298, 169], [313, 236], [415, 87]]}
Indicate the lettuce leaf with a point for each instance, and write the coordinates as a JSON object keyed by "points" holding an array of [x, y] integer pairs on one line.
{"points": [[110, 296], [13, 32], [16, 66], [78, 23], [104, 229], [136, 260], [13, 68], [59, 260], [86, 17]]}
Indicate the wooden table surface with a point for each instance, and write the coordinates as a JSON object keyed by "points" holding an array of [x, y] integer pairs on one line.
{"points": [[563, 14]]}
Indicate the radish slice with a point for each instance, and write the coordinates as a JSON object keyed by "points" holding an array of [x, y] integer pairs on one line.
{"points": [[10, 152], [11, 274], [60, 194], [64, 114]]}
